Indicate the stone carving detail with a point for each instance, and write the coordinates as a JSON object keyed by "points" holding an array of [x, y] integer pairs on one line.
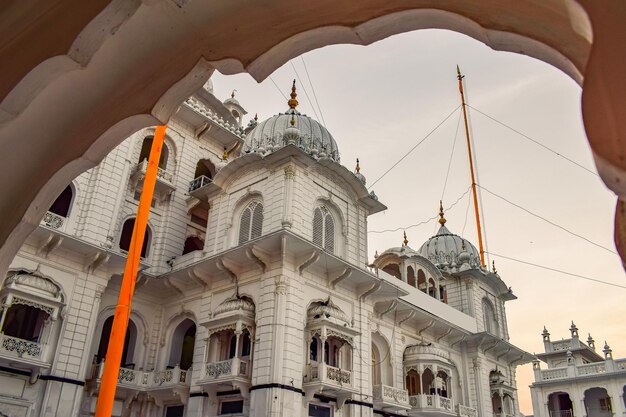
{"points": [[163, 376], [219, 368], [338, 375], [330, 332], [18, 300], [21, 347], [53, 221], [126, 375]]}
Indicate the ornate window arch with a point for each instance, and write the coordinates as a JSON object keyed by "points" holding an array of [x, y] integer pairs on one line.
{"points": [[324, 228], [251, 222], [489, 317]]}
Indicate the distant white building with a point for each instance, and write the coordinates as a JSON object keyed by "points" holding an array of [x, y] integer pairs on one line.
{"points": [[579, 382], [255, 296]]}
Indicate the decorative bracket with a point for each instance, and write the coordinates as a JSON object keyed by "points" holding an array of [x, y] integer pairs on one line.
{"points": [[168, 283], [310, 260], [50, 244], [370, 291], [192, 274], [222, 267], [444, 335], [95, 260], [459, 341], [391, 306], [408, 317], [506, 352], [345, 274], [428, 326], [250, 253]]}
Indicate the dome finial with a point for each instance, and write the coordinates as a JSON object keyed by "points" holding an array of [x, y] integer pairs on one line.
{"points": [[358, 167], [292, 122], [256, 117], [293, 103], [442, 220], [405, 242], [232, 95], [493, 267], [225, 154]]}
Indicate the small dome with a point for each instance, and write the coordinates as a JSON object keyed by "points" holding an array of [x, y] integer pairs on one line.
{"points": [[292, 127], [357, 173], [446, 248], [236, 303], [327, 309]]}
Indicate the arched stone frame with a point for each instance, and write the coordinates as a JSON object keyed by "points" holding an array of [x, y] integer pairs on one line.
{"points": [[341, 228], [604, 401], [142, 340], [456, 390], [238, 207], [171, 160], [386, 365], [490, 319], [167, 333], [150, 234], [557, 407]]}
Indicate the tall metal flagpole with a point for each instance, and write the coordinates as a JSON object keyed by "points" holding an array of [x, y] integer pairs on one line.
{"points": [[108, 384], [471, 164]]}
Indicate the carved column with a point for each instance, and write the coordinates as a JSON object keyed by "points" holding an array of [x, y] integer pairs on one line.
{"points": [[479, 386], [290, 173]]}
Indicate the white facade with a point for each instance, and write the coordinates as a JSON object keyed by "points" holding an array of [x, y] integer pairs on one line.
{"points": [[578, 381], [255, 296]]}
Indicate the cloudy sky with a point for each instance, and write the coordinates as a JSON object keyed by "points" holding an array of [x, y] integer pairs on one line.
{"points": [[379, 101]]}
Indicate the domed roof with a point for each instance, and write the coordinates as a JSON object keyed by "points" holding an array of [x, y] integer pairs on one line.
{"points": [[327, 309], [447, 249], [235, 303], [292, 127]]}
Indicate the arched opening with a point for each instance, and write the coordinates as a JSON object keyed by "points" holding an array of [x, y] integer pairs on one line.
{"points": [[496, 404], [489, 318], [381, 360], [560, 405], [432, 288], [127, 234], [338, 353], [413, 382], [375, 365], [204, 167], [443, 294], [128, 352], [428, 379], [323, 229], [410, 277], [442, 384], [421, 281], [393, 269], [24, 322], [193, 243], [182, 345], [63, 204], [598, 403], [144, 154]]}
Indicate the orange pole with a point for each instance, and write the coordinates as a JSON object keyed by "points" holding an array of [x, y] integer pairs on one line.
{"points": [[471, 163], [108, 384]]}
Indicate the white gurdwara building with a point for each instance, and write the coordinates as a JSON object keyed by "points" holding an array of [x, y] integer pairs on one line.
{"points": [[579, 382], [255, 296]]}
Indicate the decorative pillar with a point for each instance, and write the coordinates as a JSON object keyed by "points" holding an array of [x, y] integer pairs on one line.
{"points": [[237, 337], [480, 407], [5, 308], [290, 173]]}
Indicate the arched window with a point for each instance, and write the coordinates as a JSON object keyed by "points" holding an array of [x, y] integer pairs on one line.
{"points": [[182, 345], [63, 203], [204, 167], [232, 348], [393, 269], [413, 383], [489, 317], [129, 343], [313, 349], [376, 362], [246, 344], [146, 146], [410, 277], [324, 229], [251, 224], [193, 243], [24, 322], [421, 281], [127, 234]]}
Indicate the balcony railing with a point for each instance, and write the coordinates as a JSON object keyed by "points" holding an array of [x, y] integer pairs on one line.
{"points": [[431, 402], [596, 368], [324, 373], [143, 380], [199, 182], [503, 415], [227, 369], [389, 397], [465, 411], [20, 348], [53, 221], [561, 413]]}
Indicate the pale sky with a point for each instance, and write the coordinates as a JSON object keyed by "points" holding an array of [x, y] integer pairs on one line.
{"points": [[379, 101]]}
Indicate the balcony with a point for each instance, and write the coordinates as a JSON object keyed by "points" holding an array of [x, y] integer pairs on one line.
{"points": [[53, 221], [164, 183], [201, 187], [132, 381], [30, 354], [431, 405], [322, 378], [230, 372], [390, 398]]}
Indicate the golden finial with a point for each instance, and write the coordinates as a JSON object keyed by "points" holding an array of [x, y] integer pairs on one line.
{"points": [[376, 254], [405, 242], [292, 122], [232, 95], [293, 103], [225, 154], [442, 220], [493, 267], [358, 167]]}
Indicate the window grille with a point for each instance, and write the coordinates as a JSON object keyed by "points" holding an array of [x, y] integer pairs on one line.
{"points": [[251, 224], [323, 229]]}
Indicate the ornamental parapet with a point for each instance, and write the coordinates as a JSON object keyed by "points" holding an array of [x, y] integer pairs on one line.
{"points": [[146, 380], [230, 371], [390, 398], [164, 182], [433, 404], [53, 221], [585, 370], [465, 411]]}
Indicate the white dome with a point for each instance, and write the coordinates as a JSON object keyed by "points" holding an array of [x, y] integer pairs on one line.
{"points": [[235, 303], [444, 249], [292, 127], [328, 310]]}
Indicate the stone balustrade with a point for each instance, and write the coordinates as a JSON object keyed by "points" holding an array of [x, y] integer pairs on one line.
{"points": [[161, 173], [327, 374], [573, 371], [465, 411], [199, 107], [20, 348], [229, 368], [53, 221], [144, 380], [199, 182], [431, 402], [389, 397]]}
